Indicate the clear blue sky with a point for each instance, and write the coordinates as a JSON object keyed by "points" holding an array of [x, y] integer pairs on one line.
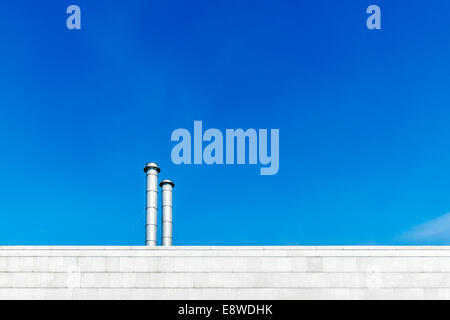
{"points": [[364, 119]]}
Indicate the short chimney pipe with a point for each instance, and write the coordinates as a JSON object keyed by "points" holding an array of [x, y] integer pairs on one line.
{"points": [[151, 227], [166, 204]]}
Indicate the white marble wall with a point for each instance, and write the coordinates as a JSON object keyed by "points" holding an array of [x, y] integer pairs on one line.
{"points": [[224, 273]]}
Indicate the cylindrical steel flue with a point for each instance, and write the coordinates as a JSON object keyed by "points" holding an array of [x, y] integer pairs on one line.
{"points": [[151, 227], [166, 204]]}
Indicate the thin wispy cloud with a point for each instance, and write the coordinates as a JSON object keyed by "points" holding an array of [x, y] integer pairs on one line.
{"points": [[435, 231]]}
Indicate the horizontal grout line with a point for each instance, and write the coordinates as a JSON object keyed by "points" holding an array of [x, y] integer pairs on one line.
{"points": [[230, 288], [231, 272], [242, 256], [226, 248]]}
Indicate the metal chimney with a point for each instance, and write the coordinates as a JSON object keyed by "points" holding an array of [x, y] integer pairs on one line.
{"points": [[151, 226], [166, 191]]}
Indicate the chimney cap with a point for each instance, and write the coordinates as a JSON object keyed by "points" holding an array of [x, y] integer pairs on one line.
{"points": [[152, 165], [167, 182]]}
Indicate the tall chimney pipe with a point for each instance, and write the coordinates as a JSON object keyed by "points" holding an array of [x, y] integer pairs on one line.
{"points": [[151, 227], [167, 222]]}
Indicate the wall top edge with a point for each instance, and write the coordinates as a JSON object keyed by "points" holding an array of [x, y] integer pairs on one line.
{"points": [[175, 248]]}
